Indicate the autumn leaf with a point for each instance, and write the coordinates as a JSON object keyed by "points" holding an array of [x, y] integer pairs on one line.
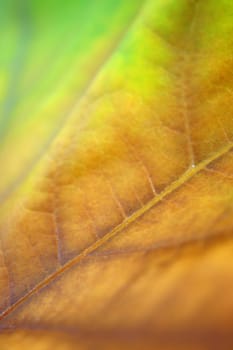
{"points": [[116, 186]]}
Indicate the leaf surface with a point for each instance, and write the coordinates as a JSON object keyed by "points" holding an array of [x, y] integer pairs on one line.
{"points": [[121, 237]]}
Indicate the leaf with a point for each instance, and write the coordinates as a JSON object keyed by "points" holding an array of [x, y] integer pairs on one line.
{"points": [[121, 237], [43, 75]]}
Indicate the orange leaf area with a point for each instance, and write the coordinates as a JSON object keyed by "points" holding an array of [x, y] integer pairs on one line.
{"points": [[124, 239]]}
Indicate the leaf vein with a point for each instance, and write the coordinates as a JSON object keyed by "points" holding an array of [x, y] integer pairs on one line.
{"points": [[191, 172]]}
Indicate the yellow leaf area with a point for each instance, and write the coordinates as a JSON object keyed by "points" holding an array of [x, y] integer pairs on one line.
{"points": [[124, 240]]}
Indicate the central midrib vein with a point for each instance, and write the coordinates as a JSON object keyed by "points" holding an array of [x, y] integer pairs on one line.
{"points": [[186, 176]]}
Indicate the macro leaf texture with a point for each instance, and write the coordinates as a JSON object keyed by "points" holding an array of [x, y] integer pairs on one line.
{"points": [[116, 184]]}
